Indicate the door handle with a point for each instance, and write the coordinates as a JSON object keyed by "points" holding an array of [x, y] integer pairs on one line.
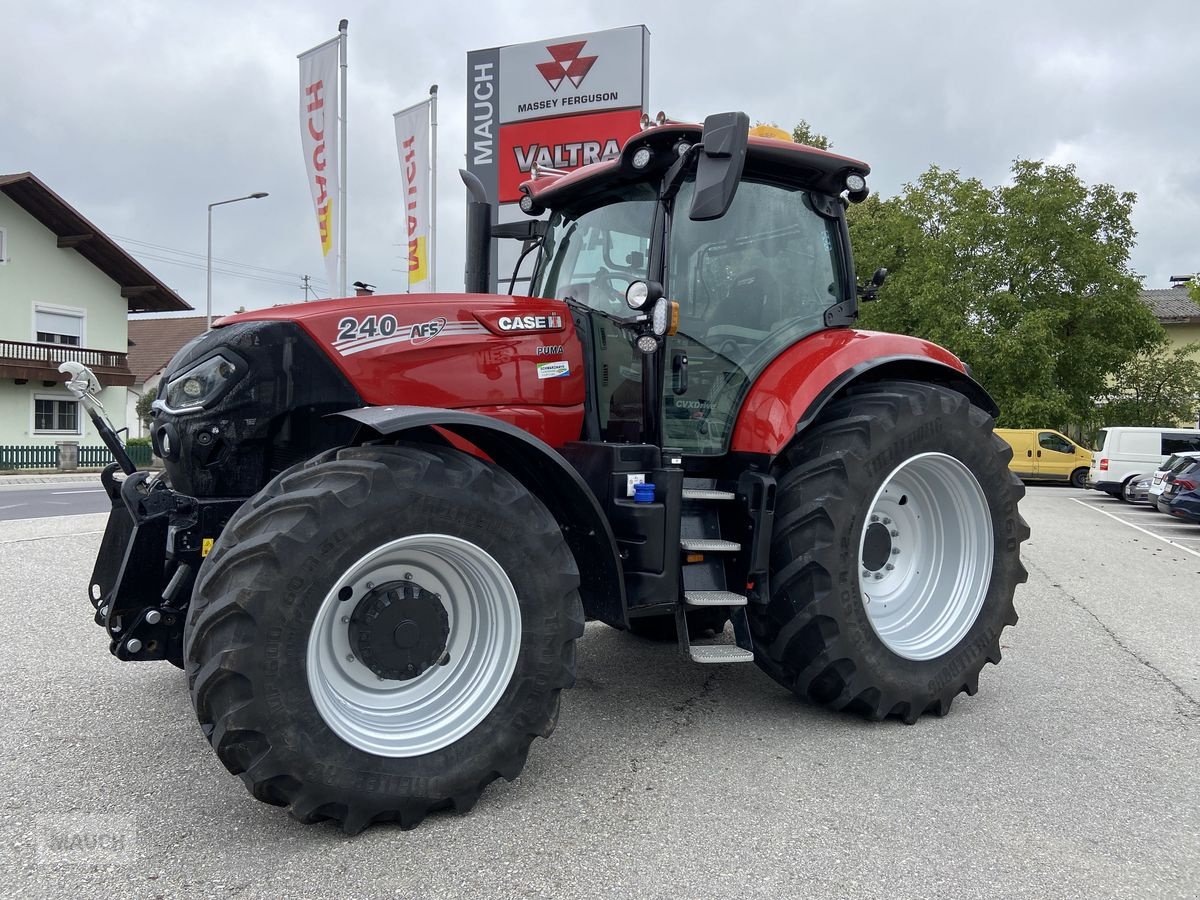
{"points": [[1039, 454], [679, 366], [1029, 453]]}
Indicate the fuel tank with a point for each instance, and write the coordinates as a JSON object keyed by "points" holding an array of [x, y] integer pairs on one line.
{"points": [[517, 359]]}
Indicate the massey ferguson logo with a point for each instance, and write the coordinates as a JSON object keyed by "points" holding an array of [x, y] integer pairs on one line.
{"points": [[567, 64], [530, 323]]}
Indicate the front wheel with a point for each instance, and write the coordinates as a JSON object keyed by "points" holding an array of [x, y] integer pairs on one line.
{"points": [[1079, 478], [382, 632], [895, 553]]}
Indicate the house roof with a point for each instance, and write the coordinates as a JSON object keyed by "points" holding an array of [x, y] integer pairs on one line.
{"points": [[1172, 306], [152, 342], [143, 290]]}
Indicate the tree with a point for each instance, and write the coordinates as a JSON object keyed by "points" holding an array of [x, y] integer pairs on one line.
{"points": [[1156, 387], [803, 133], [143, 406], [1029, 283], [1194, 288]]}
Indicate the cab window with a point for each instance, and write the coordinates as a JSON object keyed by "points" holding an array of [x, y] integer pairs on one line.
{"points": [[1048, 440]]}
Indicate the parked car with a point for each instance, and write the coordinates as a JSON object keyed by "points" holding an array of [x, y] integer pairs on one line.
{"points": [[1122, 453], [1137, 488], [1043, 454], [1181, 496], [1176, 463]]}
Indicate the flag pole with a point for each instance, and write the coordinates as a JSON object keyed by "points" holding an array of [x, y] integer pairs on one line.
{"points": [[342, 53], [433, 240]]}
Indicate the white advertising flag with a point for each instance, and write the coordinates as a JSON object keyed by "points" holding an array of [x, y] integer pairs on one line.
{"points": [[412, 144], [319, 139]]}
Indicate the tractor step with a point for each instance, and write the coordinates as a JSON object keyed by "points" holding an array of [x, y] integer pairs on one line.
{"points": [[704, 494], [700, 545], [713, 598], [719, 653]]}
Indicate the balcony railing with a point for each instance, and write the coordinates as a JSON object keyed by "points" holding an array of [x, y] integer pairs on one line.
{"points": [[39, 362]]}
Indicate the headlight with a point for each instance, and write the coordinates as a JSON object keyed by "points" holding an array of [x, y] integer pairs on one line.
{"points": [[199, 385]]}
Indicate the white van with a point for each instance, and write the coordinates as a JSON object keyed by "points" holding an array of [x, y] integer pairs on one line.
{"points": [[1122, 453]]}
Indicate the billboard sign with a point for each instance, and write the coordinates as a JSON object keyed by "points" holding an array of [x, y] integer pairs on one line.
{"points": [[562, 103]]}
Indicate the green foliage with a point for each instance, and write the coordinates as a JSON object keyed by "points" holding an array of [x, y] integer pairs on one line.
{"points": [[1156, 387], [138, 442], [803, 133], [1029, 283], [143, 407], [1194, 288]]}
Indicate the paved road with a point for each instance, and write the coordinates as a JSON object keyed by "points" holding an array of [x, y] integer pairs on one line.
{"points": [[60, 499], [1072, 773]]}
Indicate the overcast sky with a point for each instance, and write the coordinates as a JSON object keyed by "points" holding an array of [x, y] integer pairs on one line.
{"points": [[140, 114]]}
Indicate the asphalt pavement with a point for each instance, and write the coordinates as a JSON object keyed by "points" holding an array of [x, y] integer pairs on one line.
{"points": [[1073, 772], [60, 498]]}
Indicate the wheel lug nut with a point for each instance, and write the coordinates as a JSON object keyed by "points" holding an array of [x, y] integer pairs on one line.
{"points": [[370, 584], [887, 521], [866, 574], [349, 657], [895, 551], [878, 576], [408, 576], [894, 533], [889, 567], [345, 620], [874, 518]]}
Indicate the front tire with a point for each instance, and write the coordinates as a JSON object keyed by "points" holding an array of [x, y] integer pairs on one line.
{"points": [[382, 632], [895, 553], [1079, 479]]}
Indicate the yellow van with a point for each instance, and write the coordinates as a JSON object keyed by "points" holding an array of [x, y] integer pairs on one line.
{"points": [[1041, 454]]}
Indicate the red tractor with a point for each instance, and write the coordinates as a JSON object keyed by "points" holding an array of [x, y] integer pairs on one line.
{"points": [[384, 520]]}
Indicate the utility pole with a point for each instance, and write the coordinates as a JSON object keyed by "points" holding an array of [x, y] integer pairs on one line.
{"points": [[305, 279]]}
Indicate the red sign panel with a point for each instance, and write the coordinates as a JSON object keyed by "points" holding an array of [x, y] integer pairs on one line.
{"points": [[561, 143]]}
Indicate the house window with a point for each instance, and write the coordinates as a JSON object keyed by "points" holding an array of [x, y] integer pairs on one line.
{"points": [[53, 416], [58, 326]]}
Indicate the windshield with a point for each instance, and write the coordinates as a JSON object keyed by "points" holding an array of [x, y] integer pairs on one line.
{"points": [[748, 285], [591, 256]]}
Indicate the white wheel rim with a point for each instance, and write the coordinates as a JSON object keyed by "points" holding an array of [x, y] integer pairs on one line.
{"points": [[444, 703], [925, 556]]}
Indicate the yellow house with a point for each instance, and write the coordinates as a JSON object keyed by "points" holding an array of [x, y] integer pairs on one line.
{"points": [[1177, 312]]}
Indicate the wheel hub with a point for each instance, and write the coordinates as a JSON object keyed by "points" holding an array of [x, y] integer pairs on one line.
{"points": [[399, 630], [926, 555]]}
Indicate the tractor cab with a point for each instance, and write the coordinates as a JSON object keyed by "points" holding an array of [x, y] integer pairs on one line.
{"points": [[745, 238]]}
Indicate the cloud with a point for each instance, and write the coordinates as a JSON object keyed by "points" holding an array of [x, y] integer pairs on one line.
{"points": [[141, 114]]}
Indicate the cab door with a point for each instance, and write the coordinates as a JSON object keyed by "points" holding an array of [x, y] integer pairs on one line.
{"points": [[1054, 456]]}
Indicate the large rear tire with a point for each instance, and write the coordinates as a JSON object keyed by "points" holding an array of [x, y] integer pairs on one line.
{"points": [[382, 632], [895, 553]]}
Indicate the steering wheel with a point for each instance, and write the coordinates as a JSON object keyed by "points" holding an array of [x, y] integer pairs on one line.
{"points": [[604, 284]]}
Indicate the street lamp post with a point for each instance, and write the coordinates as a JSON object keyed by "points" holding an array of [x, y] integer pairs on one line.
{"points": [[258, 195]]}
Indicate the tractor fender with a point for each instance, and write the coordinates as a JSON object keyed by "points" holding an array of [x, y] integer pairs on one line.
{"points": [[543, 471], [797, 384]]}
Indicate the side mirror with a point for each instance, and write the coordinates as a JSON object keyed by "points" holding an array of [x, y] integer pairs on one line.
{"points": [[720, 166], [868, 293]]}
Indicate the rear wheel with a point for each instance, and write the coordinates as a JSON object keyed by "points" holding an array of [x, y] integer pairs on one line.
{"points": [[895, 553], [382, 632]]}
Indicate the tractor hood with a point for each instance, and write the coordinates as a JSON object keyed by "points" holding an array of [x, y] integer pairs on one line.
{"points": [[445, 350]]}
